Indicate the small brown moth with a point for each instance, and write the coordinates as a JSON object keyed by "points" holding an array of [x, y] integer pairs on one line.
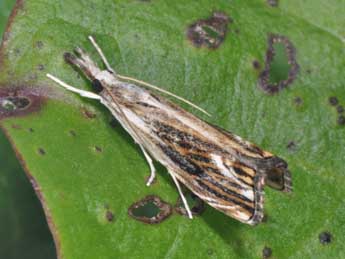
{"points": [[221, 168]]}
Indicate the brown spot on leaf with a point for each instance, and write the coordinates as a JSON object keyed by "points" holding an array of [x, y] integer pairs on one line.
{"points": [[298, 101], [266, 252], [341, 120], [39, 44], [333, 100], [40, 67], [291, 146], [151, 210], [109, 216], [19, 101], [16, 126], [273, 3], [88, 114], [256, 64], [340, 109], [41, 151], [72, 133], [210, 32], [196, 205], [281, 67], [325, 238], [98, 149]]}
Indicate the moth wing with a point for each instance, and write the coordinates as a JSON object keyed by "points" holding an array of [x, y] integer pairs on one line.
{"points": [[228, 186]]}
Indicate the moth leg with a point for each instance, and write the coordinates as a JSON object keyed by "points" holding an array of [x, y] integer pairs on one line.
{"points": [[184, 200], [100, 52], [152, 167], [75, 90]]}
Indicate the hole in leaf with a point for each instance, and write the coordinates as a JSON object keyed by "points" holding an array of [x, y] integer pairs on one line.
{"points": [[19, 101], [210, 32], [150, 210], [281, 67], [14, 103], [196, 205]]}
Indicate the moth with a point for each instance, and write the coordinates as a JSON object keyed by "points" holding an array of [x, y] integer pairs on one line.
{"points": [[224, 170]]}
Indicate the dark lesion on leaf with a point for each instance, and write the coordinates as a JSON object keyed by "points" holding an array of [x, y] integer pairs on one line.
{"points": [[273, 3], [341, 120], [210, 32], [39, 44], [325, 238], [281, 67], [41, 151], [109, 215], [334, 101], [72, 133], [151, 210], [98, 149], [266, 252], [298, 101], [19, 101], [88, 114], [197, 206], [256, 64], [292, 146]]}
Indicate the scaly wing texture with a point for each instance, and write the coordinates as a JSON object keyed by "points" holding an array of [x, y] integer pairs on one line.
{"points": [[216, 165]]}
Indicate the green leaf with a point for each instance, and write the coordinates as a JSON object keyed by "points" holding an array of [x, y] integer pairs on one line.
{"points": [[24, 230], [87, 170]]}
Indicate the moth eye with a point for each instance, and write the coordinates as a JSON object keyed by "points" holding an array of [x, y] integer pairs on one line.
{"points": [[97, 86]]}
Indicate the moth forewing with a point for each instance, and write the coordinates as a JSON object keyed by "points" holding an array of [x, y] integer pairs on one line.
{"points": [[225, 171]]}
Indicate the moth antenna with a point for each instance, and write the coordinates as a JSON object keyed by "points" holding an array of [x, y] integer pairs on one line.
{"points": [[100, 52], [73, 89], [109, 68], [164, 91]]}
